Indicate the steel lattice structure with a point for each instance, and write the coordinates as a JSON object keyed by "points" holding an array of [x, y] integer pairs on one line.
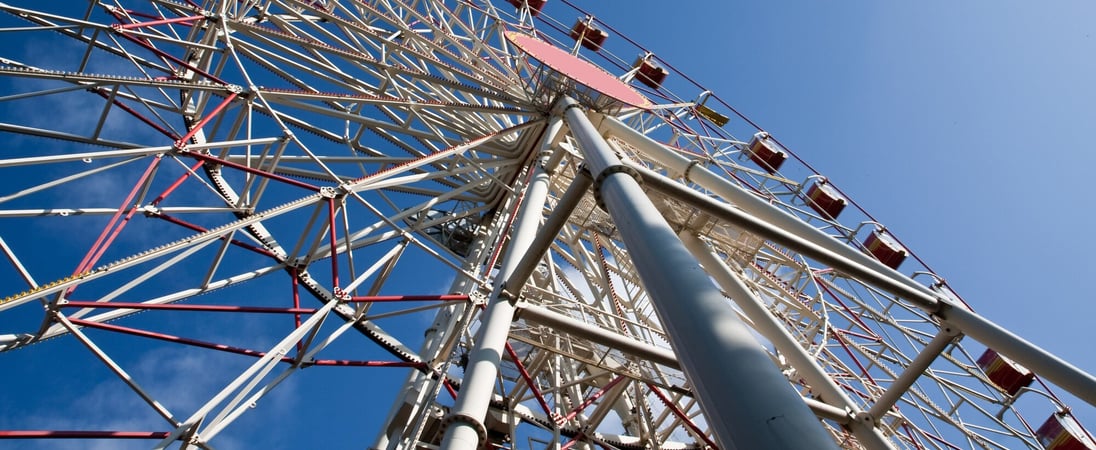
{"points": [[367, 188]]}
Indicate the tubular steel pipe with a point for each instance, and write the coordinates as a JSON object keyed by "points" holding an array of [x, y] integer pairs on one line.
{"points": [[465, 421], [765, 323], [564, 324], [442, 335], [548, 233], [746, 400], [559, 322], [1047, 365], [913, 371], [747, 201]]}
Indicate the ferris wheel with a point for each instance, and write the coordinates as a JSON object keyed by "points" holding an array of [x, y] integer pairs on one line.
{"points": [[452, 224]]}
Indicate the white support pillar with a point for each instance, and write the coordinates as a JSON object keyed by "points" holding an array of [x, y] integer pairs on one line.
{"points": [[1042, 362], [770, 327], [465, 429], [560, 322], [747, 201], [746, 401]]}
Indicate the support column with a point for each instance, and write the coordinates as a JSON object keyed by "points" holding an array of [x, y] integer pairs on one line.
{"points": [[913, 371], [746, 401], [746, 201], [1042, 362], [465, 422], [766, 324]]}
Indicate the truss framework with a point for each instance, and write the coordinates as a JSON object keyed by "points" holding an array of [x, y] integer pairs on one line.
{"points": [[328, 171]]}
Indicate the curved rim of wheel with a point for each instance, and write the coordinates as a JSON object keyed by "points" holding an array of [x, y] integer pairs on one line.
{"points": [[256, 182]]}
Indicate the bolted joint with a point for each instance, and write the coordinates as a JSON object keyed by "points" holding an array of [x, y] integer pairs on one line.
{"points": [[340, 294], [864, 418], [601, 176], [510, 296], [477, 299], [565, 103], [948, 329], [151, 210], [481, 431], [328, 192], [692, 164]]}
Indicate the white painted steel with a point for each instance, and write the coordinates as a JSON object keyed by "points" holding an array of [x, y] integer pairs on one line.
{"points": [[769, 327], [743, 395], [326, 151], [470, 409]]}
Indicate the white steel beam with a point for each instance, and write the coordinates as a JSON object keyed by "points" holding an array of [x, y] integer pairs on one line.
{"points": [[747, 402], [937, 345], [1042, 362], [466, 430], [771, 328]]}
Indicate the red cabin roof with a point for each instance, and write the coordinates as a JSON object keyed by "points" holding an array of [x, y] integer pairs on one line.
{"points": [[824, 199], [1062, 432], [534, 5], [766, 152], [884, 248], [649, 72], [1005, 373], [591, 36]]}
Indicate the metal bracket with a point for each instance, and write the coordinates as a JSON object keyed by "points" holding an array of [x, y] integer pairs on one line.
{"points": [[601, 176], [510, 296], [692, 164], [481, 431]]}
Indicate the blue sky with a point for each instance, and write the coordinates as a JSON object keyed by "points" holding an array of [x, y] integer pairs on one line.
{"points": [[959, 126]]}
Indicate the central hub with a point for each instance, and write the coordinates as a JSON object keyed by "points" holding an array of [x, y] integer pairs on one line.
{"points": [[563, 73]]}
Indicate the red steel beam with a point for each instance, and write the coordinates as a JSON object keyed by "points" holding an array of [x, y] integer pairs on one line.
{"points": [[205, 120], [681, 415], [169, 56], [852, 314], [106, 237], [529, 382], [272, 176], [76, 434], [175, 185], [172, 338], [593, 398], [103, 93], [200, 229], [239, 350], [186, 307]]}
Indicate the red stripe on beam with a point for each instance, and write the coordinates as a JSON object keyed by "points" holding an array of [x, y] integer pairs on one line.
{"points": [[681, 414], [239, 243], [174, 59], [178, 307], [529, 382], [73, 434], [176, 184], [198, 127], [215, 160], [171, 338]]}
